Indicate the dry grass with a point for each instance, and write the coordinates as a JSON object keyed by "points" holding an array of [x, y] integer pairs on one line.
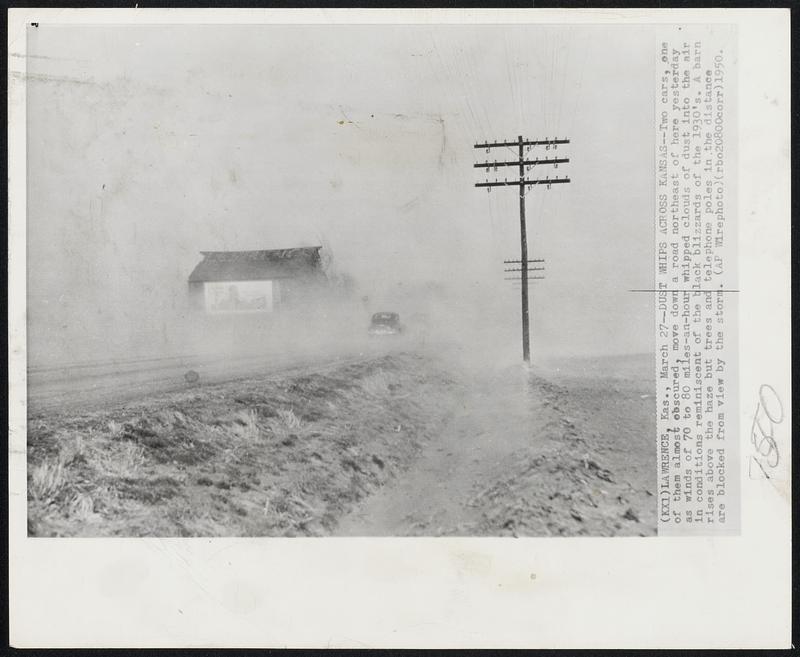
{"points": [[246, 426], [81, 507], [251, 429], [120, 459], [286, 427], [288, 417], [72, 451], [206, 465], [47, 481]]}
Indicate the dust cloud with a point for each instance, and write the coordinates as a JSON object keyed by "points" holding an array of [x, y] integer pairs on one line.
{"points": [[149, 144]]}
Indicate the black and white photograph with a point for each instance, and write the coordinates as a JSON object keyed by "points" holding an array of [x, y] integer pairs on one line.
{"points": [[285, 281], [357, 328]]}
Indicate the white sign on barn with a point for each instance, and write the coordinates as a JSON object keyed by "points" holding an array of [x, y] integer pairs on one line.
{"points": [[239, 296]]}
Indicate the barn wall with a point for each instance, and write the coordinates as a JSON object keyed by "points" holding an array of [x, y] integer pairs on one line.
{"points": [[251, 296]]}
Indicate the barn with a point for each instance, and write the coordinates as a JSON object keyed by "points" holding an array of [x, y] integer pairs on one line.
{"points": [[264, 281]]}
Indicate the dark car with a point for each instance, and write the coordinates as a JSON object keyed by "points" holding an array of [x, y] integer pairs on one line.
{"points": [[385, 324]]}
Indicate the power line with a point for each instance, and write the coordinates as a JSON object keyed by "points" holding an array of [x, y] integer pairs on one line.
{"points": [[523, 182], [512, 262], [488, 165], [528, 269], [523, 146], [521, 142]]}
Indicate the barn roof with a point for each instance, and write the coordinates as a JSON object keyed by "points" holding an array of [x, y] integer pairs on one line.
{"points": [[257, 265]]}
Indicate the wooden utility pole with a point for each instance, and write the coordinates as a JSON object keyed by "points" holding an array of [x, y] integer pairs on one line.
{"points": [[523, 255], [523, 183]]}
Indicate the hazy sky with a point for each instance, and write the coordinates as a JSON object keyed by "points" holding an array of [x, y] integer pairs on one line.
{"points": [[149, 144]]}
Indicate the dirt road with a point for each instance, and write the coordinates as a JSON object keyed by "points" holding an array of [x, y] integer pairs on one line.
{"points": [[475, 448], [84, 386], [525, 456]]}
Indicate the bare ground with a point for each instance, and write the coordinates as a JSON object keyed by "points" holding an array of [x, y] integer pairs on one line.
{"points": [[393, 445], [524, 456]]}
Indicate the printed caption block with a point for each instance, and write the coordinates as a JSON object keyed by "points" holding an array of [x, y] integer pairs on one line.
{"points": [[696, 281]]}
